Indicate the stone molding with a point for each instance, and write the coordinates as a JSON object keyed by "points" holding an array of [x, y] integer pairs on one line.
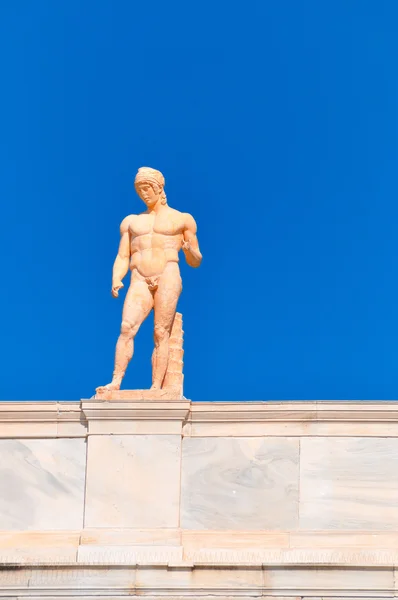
{"points": [[42, 420], [130, 580], [198, 419], [293, 418], [135, 417], [182, 548]]}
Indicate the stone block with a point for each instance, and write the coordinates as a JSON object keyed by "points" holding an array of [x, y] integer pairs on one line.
{"points": [[243, 581], [324, 581], [240, 483], [133, 481], [349, 484], [42, 484]]}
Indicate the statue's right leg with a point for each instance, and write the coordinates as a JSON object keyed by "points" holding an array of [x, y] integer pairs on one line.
{"points": [[137, 306]]}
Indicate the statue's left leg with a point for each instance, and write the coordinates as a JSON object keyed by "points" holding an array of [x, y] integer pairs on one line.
{"points": [[165, 304]]}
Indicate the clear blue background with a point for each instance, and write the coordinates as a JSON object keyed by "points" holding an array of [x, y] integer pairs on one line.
{"points": [[275, 124]]}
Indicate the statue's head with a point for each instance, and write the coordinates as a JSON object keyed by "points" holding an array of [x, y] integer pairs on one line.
{"points": [[149, 185]]}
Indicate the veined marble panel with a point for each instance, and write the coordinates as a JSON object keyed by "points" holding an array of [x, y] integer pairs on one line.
{"points": [[133, 481], [349, 483], [240, 483], [42, 484]]}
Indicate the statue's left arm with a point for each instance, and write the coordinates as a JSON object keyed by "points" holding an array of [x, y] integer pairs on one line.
{"points": [[190, 244]]}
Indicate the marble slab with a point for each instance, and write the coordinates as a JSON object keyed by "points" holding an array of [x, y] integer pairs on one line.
{"points": [[129, 537], [349, 484], [82, 582], [160, 581], [32, 547], [42, 484], [133, 481], [323, 581], [240, 483]]}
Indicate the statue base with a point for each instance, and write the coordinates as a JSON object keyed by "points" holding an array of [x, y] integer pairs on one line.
{"points": [[163, 394], [173, 380]]}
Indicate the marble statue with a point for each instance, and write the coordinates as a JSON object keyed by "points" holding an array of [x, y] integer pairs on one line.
{"points": [[149, 247]]}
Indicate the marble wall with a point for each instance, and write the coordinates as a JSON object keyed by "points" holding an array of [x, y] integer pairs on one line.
{"points": [[290, 483], [197, 482]]}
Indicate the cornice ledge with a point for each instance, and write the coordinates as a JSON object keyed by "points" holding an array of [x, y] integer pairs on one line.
{"points": [[293, 411], [49, 411], [41, 420]]}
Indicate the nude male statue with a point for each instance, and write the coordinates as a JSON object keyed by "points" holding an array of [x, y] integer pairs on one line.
{"points": [[149, 246]]}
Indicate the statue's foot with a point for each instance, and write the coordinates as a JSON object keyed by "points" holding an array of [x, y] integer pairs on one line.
{"points": [[155, 386], [113, 385]]}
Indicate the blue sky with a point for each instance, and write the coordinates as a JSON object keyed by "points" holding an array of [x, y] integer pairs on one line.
{"points": [[275, 125]]}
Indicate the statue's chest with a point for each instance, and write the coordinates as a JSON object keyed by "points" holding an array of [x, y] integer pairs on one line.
{"points": [[161, 224], [142, 225]]}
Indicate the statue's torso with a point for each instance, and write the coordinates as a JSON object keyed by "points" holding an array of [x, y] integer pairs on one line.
{"points": [[156, 240]]}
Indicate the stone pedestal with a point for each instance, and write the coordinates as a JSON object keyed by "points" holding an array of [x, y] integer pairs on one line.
{"points": [[133, 463], [168, 498]]}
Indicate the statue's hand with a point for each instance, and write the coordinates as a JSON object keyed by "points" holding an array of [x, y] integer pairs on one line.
{"points": [[116, 286]]}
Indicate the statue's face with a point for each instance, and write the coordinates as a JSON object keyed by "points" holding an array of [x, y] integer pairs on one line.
{"points": [[147, 193]]}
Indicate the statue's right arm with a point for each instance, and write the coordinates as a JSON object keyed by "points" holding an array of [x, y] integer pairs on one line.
{"points": [[122, 262]]}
